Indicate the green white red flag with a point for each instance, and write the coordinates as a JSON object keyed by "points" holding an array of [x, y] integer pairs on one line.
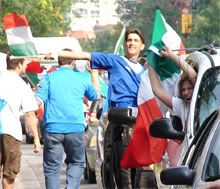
{"points": [[163, 34], [143, 149], [20, 41], [119, 47], [19, 36]]}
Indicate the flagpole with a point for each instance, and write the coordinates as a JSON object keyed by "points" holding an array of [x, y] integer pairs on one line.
{"points": [[208, 47], [120, 42]]}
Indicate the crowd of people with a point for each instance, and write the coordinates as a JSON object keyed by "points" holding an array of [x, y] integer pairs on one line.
{"points": [[62, 92]]}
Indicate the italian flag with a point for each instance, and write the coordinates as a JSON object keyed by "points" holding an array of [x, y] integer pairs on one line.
{"points": [[20, 41], [143, 149], [19, 36], [119, 47], [163, 34]]}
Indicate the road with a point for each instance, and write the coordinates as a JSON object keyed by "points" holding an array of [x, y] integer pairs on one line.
{"points": [[31, 175]]}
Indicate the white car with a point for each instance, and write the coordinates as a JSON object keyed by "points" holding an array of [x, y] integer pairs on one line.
{"points": [[204, 104], [200, 167]]}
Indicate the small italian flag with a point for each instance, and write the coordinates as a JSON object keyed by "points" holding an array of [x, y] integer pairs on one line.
{"points": [[19, 36], [119, 47], [163, 34]]}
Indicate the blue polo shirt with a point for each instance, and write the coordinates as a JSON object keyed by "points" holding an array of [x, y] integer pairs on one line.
{"points": [[123, 81], [63, 93]]}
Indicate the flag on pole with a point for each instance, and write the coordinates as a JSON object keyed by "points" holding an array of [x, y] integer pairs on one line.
{"points": [[21, 43], [143, 149], [19, 36], [163, 34], [119, 47]]}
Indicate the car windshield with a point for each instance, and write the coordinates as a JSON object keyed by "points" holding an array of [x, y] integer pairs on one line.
{"points": [[208, 96], [212, 171]]}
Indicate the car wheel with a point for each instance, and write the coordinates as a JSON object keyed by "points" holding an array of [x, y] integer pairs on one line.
{"points": [[107, 182], [106, 168]]}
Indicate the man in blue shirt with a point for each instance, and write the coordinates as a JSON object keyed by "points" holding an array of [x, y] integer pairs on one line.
{"points": [[62, 93], [124, 74]]}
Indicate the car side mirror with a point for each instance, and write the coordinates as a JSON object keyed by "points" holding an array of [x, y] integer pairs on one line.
{"points": [[177, 123], [163, 128], [182, 175]]}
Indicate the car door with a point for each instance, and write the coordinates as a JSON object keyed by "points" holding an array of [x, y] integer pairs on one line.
{"points": [[207, 165], [203, 156]]}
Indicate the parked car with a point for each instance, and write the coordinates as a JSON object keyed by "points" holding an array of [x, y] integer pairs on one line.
{"points": [[90, 153], [91, 141]]}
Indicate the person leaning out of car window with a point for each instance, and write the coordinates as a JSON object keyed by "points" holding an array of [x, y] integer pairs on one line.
{"points": [[179, 105]]}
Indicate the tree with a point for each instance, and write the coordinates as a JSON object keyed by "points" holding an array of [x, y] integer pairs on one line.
{"points": [[45, 17], [206, 24], [141, 14], [206, 18], [105, 40]]}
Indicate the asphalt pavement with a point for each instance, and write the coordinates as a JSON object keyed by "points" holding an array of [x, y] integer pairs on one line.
{"points": [[31, 174]]}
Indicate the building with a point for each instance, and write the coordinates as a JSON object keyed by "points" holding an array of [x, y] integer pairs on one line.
{"points": [[86, 14]]}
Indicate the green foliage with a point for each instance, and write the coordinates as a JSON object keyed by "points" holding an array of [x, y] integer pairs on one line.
{"points": [[141, 15], [105, 40], [206, 24], [49, 18], [206, 18], [45, 17]]}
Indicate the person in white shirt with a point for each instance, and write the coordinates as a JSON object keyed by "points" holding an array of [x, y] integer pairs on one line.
{"points": [[15, 95], [179, 105]]}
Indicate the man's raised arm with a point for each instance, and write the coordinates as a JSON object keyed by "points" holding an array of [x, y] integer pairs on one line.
{"points": [[75, 55]]}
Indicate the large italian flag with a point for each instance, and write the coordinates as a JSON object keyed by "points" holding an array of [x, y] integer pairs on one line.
{"points": [[143, 149], [163, 34], [20, 41], [19, 36]]}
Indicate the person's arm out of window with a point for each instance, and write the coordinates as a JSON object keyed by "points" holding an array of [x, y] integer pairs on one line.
{"points": [[167, 52], [158, 89]]}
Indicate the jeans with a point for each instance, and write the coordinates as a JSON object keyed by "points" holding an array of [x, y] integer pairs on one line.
{"points": [[54, 147]]}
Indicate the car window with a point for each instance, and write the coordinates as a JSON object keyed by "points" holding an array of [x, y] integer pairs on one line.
{"points": [[212, 170], [196, 146], [208, 96]]}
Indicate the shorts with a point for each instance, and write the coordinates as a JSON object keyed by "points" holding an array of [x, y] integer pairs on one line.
{"points": [[10, 156]]}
